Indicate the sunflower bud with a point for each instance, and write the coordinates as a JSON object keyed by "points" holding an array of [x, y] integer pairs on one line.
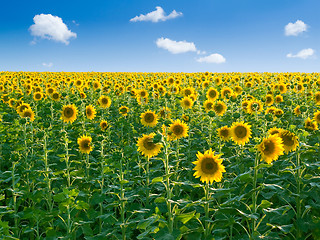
{"points": [[211, 113], [303, 108], [269, 117], [236, 115]]}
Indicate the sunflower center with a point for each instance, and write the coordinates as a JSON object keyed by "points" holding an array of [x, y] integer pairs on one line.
{"points": [[27, 114], [187, 92], [288, 140], [240, 131], [104, 100], [269, 147], [149, 117], [148, 144], [212, 94], [177, 130], [85, 144], [209, 106], [218, 108], [224, 132], [55, 96], [89, 111], [209, 166], [68, 112], [187, 103]]}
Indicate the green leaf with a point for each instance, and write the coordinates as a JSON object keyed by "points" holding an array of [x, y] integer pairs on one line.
{"points": [[185, 217], [156, 180]]}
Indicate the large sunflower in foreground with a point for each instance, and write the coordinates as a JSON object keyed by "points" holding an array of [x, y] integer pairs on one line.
{"points": [[147, 147], [271, 148], [179, 129], [240, 132], [289, 139], [69, 113], [208, 167], [90, 112], [149, 119], [85, 144]]}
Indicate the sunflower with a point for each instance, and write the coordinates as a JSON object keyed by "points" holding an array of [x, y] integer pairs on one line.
{"points": [[147, 147], [297, 110], [274, 130], [219, 108], [317, 116], [85, 144], [226, 92], [123, 110], [208, 105], [22, 107], [289, 139], [317, 97], [149, 119], [278, 99], [28, 113], [208, 167], [240, 132], [83, 95], [186, 102], [179, 129], [37, 96], [311, 125], [212, 94], [165, 112], [224, 133], [104, 101], [55, 96], [269, 100], [90, 112], [254, 106], [69, 113], [104, 125], [271, 148]]}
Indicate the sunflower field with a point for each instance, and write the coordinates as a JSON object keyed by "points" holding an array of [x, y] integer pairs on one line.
{"points": [[159, 155]]}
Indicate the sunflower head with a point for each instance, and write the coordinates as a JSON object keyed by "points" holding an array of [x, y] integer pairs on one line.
{"points": [[297, 110], [187, 102], [310, 125], [147, 146], [208, 167], [123, 110], [37, 96], [219, 108], [179, 129], [104, 101], [165, 113], [271, 148], [224, 133], [212, 94], [69, 113], [90, 112], [240, 132], [104, 125], [149, 119], [208, 105], [55, 96], [85, 144], [28, 113], [289, 140]]}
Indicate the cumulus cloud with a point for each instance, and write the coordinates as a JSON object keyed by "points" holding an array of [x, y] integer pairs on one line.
{"points": [[294, 29], [176, 47], [50, 27], [213, 58], [49, 65], [156, 16], [304, 54]]}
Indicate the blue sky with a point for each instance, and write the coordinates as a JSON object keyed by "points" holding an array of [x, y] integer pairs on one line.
{"points": [[203, 35]]}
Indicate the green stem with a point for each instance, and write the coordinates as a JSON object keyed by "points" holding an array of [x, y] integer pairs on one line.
{"points": [[168, 189], [255, 194], [148, 181], [206, 211], [122, 202], [298, 200]]}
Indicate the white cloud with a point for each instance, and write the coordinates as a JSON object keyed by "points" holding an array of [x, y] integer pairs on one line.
{"points": [[304, 54], [51, 27], [293, 29], [49, 65], [176, 47], [213, 58], [156, 16]]}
